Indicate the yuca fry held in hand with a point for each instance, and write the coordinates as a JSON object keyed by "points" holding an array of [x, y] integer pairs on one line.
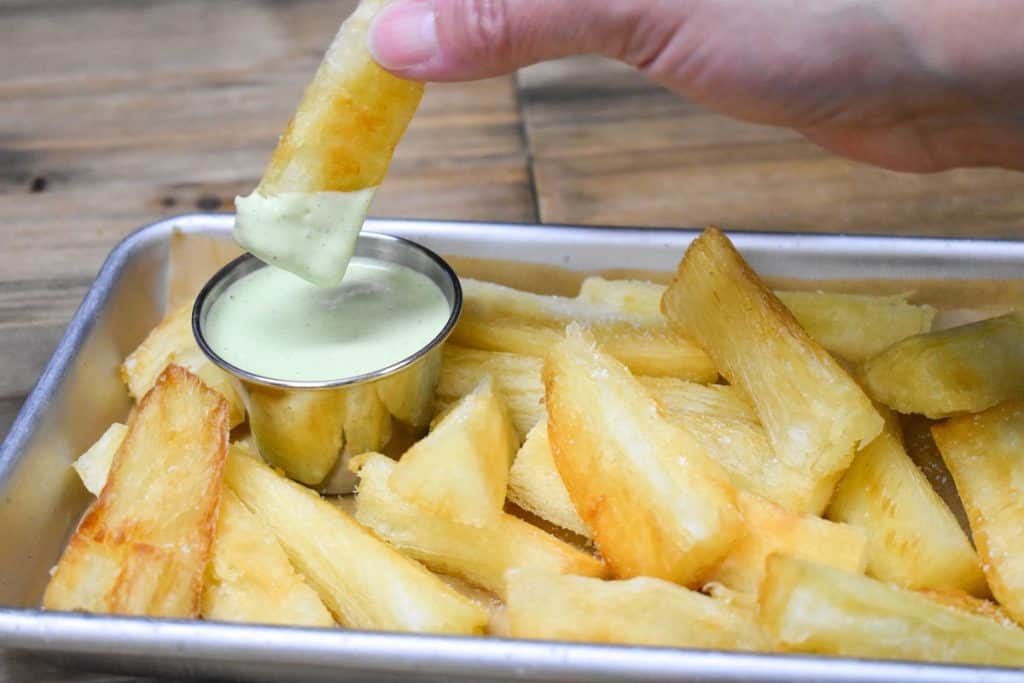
{"points": [[143, 546], [250, 579], [171, 341], [479, 555], [306, 214], [852, 326], [984, 454], [498, 318], [362, 580], [640, 611], [815, 415], [460, 469], [94, 465], [913, 539], [657, 505], [960, 370], [349, 121], [809, 607]]}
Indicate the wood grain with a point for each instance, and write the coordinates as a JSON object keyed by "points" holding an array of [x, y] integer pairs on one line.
{"points": [[611, 149]]}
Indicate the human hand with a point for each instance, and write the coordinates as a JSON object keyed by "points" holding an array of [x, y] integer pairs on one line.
{"points": [[912, 85]]}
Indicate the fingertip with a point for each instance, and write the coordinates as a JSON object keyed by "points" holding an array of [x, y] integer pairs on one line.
{"points": [[403, 36]]}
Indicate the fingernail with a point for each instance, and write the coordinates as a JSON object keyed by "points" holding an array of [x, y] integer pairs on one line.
{"points": [[404, 34]]}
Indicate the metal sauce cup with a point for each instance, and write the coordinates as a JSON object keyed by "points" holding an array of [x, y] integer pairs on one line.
{"points": [[304, 427]]}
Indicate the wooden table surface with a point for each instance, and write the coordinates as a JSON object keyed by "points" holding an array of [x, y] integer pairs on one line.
{"points": [[114, 113]]}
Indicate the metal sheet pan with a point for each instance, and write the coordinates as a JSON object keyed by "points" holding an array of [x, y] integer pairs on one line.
{"points": [[79, 394]]}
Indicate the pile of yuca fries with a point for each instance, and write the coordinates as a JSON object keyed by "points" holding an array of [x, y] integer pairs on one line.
{"points": [[710, 465]]}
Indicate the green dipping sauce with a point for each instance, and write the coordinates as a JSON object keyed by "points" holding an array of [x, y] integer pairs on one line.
{"points": [[277, 325]]}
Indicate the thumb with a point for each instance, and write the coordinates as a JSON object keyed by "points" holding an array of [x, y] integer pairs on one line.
{"points": [[448, 40]]}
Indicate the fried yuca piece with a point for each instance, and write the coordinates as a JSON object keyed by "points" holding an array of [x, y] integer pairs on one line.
{"points": [[809, 607], [740, 446], [814, 414], [535, 485], [716, 415], [960, 370], [363, 582], [409, 395], [913, 538], [478, 554], [649, 351], [771, 529], [962, 600], [639, 611], [460, 469], [367, 420], [680, 397], [984, 454], [498, 318], [143, 546], [306, 213], [488, 300], [741, 600], [93, 465], [299, 431], [737, 443], [852, 326], [171, 341], [857, 326], [658, 506], [516, 379], [639, 297], [249, 577], [349, 121]]}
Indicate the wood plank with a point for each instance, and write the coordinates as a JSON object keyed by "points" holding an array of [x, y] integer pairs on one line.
{"points": [[611, 149]]}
